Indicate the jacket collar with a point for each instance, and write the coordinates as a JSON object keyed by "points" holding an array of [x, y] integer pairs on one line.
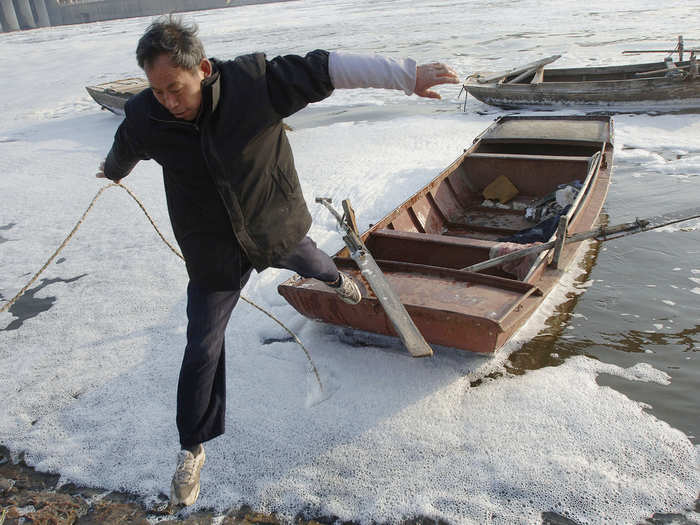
{"points": [[213, 80], [211, 91]]}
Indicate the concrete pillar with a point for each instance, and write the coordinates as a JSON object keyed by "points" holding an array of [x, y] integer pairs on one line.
{"points": [[24, 14], [42, 14], [54, 10], [9, 17]]}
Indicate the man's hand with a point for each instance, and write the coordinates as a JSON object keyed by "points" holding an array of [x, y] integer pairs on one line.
{"points": [[101, 173], [429, 75]]}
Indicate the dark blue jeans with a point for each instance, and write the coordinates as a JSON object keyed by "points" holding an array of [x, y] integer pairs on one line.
{"points": [[201, 390]]}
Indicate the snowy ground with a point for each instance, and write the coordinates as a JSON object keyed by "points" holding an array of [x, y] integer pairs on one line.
{"points": [[89, 358]]}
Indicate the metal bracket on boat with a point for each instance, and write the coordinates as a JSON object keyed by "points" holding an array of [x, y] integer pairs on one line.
{"points": [[387, 297], [561, 237]]}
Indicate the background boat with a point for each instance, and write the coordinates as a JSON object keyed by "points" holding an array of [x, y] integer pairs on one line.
{"points": [[113, 95], [668, 82]]}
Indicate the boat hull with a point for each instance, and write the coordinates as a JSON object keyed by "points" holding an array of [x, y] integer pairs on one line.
{"points": [[112, 96], [593, 86]]}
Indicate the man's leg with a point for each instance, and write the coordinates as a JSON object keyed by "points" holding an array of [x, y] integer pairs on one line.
{"points": [[309, 261], [201, 392]]}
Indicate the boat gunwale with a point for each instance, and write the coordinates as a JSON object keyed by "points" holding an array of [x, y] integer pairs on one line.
{"points": [[541, 87], [606, 70]]}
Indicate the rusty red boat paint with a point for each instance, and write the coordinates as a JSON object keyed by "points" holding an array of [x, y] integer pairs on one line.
{"points": [[423, 244]]}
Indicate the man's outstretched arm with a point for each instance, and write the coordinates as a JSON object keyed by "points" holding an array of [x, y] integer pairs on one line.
{"points": [[295, 81], [349, 71]]}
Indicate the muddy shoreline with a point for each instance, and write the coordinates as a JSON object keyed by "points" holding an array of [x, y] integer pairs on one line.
{"points": [[31, 497]]}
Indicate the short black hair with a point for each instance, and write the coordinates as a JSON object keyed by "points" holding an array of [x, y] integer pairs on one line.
{"points": [[171, 36]]}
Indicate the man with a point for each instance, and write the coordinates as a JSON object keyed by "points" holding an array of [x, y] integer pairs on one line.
{"points": [[233, 195]]}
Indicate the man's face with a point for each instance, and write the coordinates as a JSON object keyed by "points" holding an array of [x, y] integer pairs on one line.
{"points": [[178, 90]]}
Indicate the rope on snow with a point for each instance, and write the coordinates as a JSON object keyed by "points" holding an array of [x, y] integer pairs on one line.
{"points": [[12, 301]]}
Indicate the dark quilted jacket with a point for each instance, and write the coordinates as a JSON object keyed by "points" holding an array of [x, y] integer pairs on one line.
{"points": [[230, 179]]}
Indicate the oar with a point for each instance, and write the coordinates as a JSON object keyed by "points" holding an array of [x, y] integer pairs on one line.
{"points": [[697, 50], [601, 233], [393, 307], [527, 67]]}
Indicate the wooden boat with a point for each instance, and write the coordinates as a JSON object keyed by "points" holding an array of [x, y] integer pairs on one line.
{"points": [[113, 95], [658, 84], [423, 245]]}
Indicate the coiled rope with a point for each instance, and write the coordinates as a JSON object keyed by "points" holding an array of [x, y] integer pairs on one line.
{"points": [[12, 301]]}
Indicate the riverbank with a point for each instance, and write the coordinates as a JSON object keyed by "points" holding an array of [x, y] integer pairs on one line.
{"points": [[31, 497], [28, 496]]}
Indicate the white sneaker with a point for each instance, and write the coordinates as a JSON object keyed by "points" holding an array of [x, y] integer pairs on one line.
{"points": [[184, 488], [346, 288]]}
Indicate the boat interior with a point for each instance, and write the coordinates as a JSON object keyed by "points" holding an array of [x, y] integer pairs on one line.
{"points": [[607, 73], [125, 86], [449, 224]]}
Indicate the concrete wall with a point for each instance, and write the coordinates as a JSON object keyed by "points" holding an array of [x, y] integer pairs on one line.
{"points": [[28, 14], [24, 14], [41, 14], [8, 16], [114, 9]]}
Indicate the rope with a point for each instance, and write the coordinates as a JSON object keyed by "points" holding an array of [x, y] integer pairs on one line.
{"points": [[12, 301]]}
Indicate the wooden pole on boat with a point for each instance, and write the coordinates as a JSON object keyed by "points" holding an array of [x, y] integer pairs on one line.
{"points": [[527, 67], [680, 48], [394, 309], [602, 234], [636, 52], [539, 76], [523, 75]]}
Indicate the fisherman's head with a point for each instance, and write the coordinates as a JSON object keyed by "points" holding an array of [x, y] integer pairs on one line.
{"points": [[172, 56]]}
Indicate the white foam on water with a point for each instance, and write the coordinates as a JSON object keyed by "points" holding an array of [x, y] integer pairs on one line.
{"points": [[88, 384]]}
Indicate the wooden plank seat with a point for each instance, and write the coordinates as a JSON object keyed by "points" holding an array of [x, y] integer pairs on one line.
{"points": [[427, 248], [526, 156]]}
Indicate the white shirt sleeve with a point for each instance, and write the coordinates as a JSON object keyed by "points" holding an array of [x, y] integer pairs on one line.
{"points": [[349, 71]]}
